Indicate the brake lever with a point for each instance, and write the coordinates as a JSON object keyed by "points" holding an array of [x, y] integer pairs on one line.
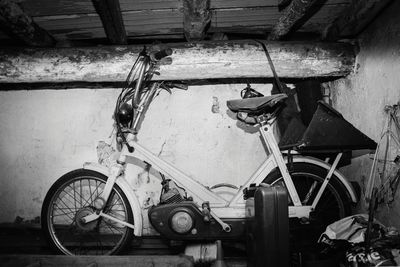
{"points": [[182, 86]]}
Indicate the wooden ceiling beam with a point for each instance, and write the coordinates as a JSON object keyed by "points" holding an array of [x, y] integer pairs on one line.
{"points": [[196, 19], [292, 14], [355, 18], [190, 61], [282, 4], [111, 18], [18, 24]]}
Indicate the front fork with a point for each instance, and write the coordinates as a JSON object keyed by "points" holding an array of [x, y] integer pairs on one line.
{"points": [[100, 202]]}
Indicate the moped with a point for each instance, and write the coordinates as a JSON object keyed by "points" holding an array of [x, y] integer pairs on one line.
{"points": [[93, 210]]}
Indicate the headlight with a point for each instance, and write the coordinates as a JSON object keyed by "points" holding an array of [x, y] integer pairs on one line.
{"points": [[125, 114]]}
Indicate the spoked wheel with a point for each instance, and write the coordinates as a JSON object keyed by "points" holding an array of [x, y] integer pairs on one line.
{"points": [[69, 200], [307, 178]]}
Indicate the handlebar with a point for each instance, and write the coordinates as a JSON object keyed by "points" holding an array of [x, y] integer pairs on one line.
{"points": [[156, 56]]}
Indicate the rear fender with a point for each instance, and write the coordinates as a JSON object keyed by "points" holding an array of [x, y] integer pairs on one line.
{"points": [[346, 184]]}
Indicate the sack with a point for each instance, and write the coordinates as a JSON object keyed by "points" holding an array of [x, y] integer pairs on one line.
{"points": [[351, 229]]}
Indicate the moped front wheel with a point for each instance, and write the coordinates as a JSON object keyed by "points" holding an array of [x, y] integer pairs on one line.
{"points": [[334, 203], [69, 200]]}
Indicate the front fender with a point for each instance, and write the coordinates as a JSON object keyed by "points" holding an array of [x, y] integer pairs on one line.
{"points": [[125, 187]]}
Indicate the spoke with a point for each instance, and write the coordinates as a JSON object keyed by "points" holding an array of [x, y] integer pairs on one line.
{"points": [[80, 190], [92, 194], [90, 191], [114, 199], [68, 231], [111, 229], [75, 193], [80, 195], [73, 196], [119, 229], [309, 193], [64, 204], [63, 213]]}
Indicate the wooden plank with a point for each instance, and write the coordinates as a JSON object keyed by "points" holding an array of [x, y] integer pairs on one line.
{"points": [[20, 25], [98, 261], [196, 18], [266, 18], [204, 60], [355, 18], [323, 17], [151, 22], [70, 7], [169, 22], [57, 7], [217, 4], [111, 18], [86, 26], [128, 5]]}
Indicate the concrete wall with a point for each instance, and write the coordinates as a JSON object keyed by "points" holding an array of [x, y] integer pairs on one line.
{"points": [[361, 97], [46, 133]]}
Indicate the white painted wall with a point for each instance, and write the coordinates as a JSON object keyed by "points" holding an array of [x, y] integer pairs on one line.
{"points": [[46, 133], [361, 97]]}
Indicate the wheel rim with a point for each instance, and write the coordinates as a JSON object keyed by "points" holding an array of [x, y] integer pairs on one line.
{"points": [[73, 201], [330, 207]]}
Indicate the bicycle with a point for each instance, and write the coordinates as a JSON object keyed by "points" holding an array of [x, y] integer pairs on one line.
{"points": [[389, 173], [94, 210]]}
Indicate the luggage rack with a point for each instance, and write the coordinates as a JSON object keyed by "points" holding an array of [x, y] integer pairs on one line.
{"points": [[327, 134]]}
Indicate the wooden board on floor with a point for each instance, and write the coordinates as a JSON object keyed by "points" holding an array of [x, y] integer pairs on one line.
{"points": [[94, 261]]}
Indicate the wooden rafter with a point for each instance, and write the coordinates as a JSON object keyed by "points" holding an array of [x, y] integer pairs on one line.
{"points": [[18, 24], [296, 11], [202, 60], [282, 4], [355, 18], [197, 18], [113, 24]]}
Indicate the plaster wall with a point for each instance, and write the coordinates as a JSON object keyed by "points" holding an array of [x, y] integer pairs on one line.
{"points": [[362, 96], [46, 133]]}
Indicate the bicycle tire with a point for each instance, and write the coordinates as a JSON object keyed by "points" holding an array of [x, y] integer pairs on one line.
{"points": [[334, 203], [71, 198]]}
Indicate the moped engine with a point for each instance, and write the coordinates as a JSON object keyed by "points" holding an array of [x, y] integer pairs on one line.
{"points": [[185, 221]]}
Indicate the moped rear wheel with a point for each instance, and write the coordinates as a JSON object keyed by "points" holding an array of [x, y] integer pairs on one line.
{"points": [[69, 200], [334, 203]]}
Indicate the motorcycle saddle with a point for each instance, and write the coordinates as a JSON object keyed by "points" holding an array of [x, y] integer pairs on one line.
{"points": [[256, 105]]}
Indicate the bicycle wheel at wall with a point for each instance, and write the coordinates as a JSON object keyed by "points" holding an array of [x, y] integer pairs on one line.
{"points": [[69, 200], [334, 203]]}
